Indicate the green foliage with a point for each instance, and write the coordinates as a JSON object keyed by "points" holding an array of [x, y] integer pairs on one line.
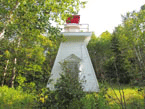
{"points": [[99, 50], [24, 49], [27, 56], [107, 98], [124, 96], [89, 101], [120, 56], [100, 97], [133, 29], [68, 95], [116, 68], [13, 99], [68, 92]]}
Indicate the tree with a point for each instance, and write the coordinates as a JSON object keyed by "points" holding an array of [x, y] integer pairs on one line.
{"points": [[120, 65], [99, 51], [22, 27], [133, 24], [69, 89]]}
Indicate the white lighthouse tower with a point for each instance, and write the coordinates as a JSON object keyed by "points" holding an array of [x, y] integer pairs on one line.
{"points": [[74, 51]]}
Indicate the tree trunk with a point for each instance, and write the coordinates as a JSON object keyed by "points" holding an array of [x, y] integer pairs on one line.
{"points": [[5, 72], [2, 33], [13, 73], [14, 68]]}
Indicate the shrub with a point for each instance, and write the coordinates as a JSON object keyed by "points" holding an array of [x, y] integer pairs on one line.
{"points": [[69, 91], [11, 98]]}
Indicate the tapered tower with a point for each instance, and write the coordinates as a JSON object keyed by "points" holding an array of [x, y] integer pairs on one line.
{"points": [[74, 52]]}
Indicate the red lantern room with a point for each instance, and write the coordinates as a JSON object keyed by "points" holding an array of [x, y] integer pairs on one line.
{"points": [[73, 19], [72, 25]]}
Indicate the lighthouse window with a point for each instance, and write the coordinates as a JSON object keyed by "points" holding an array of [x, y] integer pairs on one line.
{"points": [[73, 68]]}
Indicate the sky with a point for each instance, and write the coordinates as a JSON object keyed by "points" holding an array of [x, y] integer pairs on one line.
{"points": [[102, 15]]}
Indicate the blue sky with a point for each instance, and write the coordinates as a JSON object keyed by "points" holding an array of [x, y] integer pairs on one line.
{"points": [[102, 15]]}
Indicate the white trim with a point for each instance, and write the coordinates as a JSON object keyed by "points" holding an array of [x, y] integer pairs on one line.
{"points": [[77, 33]]}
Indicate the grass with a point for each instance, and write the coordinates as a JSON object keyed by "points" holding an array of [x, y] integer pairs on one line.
{"points": [[113, 97], [131, 96], [125, 96]]}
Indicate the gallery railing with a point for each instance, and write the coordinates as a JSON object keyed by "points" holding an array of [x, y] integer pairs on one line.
{"points": [[76, 28]]}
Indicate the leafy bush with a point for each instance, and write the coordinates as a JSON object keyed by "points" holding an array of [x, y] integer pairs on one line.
{"points": [[11, 98], [69, 90], [67, 94]]}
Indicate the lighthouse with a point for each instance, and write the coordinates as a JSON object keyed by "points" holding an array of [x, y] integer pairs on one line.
{"points": [[74, 52]]}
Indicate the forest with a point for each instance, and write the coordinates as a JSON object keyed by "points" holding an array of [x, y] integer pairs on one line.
{"points": [[28, 47]]}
